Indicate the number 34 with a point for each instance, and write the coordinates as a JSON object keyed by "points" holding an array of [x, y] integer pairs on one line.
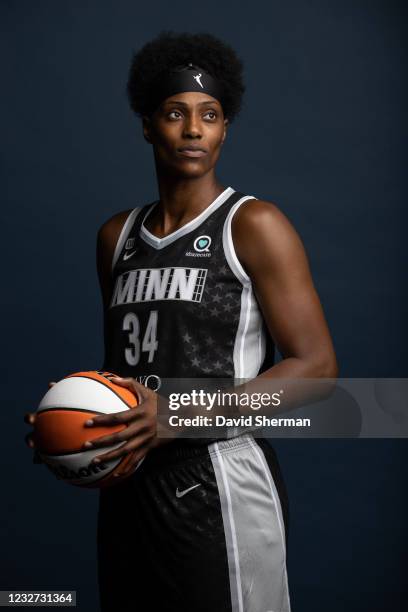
{"points": [[149, 343]]}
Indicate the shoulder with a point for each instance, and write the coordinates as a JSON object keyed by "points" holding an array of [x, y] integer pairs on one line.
{"points": [[111, 228], [263, 236], [263, 220]]}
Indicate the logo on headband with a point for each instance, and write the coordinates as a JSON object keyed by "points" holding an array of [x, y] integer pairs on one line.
{"points": [[197, 77]]}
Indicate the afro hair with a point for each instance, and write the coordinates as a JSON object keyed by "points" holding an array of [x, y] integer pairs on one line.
{"points": [[171, 49]]}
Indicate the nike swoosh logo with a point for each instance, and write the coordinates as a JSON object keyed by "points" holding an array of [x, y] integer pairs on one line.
{"points": [[128, 255], [182, 493]]}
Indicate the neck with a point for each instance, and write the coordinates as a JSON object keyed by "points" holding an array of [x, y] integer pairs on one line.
{"points": [[182, 200]]}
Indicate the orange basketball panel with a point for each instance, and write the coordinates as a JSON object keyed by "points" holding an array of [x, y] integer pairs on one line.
{"points": [[60, 431]]}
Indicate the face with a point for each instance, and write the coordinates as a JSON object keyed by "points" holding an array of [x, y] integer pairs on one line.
{"points": [[187, 132]]}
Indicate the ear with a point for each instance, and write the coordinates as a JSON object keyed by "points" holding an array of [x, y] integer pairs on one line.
{"points": [[146, 128], [226, 123]]}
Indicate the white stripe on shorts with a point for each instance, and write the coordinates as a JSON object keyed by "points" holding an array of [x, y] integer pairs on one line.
{"points": [[253, 525]]}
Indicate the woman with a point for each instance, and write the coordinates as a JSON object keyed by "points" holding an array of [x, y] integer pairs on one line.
{"points": [[202, 283]]}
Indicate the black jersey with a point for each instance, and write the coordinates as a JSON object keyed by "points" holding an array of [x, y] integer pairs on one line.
{"points": [[182, 306]]}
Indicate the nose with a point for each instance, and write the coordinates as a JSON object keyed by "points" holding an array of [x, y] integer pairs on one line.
{"points": [[192, 127]]}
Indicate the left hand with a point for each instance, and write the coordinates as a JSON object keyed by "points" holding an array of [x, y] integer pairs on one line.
{"points": [[141, 431]]}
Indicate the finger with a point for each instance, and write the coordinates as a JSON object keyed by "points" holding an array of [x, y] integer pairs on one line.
{"points": [[126, 466], [29, 440], [117, 418], [133, 444], [29, 418], [111, 439], [163, 436], [141, 392], [135, 458]]}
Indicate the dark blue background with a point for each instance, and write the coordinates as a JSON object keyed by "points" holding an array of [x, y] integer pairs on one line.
{"points": [[322, 134]]}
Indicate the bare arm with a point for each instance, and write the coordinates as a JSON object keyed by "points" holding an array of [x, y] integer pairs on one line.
{"points": [[273, 256], [106, 242]]}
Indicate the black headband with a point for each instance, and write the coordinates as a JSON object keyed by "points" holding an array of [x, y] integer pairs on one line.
{"points": [[182, 79]]}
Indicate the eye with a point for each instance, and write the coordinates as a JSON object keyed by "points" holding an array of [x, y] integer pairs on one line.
{"points": [[174, 112], [211, 112]]}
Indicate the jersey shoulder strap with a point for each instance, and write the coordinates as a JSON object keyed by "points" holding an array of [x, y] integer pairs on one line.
{"points": [[127, 226], [228, 243]]}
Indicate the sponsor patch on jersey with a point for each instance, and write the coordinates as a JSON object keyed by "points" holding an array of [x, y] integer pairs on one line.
{"points": [[201, 247]]}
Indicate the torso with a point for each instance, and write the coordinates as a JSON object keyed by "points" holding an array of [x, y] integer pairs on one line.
{"points": [[182, 305]]}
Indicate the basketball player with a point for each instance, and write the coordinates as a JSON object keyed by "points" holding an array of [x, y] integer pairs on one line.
{"points": [[204, 282]]}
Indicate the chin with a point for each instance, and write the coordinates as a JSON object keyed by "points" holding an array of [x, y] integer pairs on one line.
{"points": [[189, 170]]}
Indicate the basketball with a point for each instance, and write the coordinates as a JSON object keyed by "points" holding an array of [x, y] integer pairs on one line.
{"points": [[59, 430]]}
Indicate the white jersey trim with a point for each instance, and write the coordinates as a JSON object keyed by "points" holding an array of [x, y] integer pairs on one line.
{"points": [[160, 243], [127, 226], [250, 345], [230, 253]]}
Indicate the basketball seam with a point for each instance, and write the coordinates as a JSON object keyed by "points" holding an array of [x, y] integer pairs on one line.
{"points": [[89, 411], [64, 453]]}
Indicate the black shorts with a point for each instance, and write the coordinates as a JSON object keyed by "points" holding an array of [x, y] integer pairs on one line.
{"points": [[197, 529]]}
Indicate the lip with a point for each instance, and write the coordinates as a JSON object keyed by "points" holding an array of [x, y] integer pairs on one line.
{"points": [[191, 151]]}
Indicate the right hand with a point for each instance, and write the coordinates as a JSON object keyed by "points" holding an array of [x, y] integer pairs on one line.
{"points": [[29, 418]]}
